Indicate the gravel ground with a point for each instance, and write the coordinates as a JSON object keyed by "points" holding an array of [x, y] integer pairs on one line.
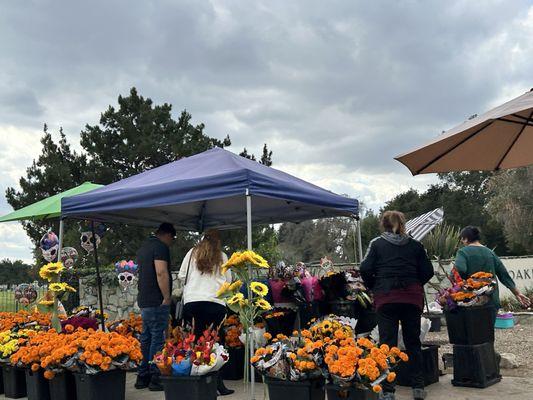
{"points": [[518, 341]]}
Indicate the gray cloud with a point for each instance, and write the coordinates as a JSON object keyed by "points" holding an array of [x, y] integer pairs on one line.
{"points": [[342, 86]]}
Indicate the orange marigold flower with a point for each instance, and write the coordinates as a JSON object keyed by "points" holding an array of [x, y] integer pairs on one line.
{"points": [[377, 388], [49, 374], [391, 377]]}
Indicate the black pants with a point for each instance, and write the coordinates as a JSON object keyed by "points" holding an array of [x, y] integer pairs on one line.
{"points": [[204, 314], [389, 317]]}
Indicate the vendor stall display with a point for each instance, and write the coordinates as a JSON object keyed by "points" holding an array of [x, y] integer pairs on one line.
{"points": [[328, 349]]}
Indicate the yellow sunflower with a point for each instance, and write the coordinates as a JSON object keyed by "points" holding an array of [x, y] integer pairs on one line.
{"points": [[236, 298], [46, 302], [235, 286], [255, 259], [223, 289], [259, 288], [263, 304], [69, 288], [57, 287]]}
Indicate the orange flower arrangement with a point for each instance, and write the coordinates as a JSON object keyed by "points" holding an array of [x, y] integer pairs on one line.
{"points": [[233, 329], [127, 327], [87, 351], [9, 320]]}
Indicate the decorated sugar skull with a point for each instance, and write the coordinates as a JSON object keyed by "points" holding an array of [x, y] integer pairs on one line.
{"points": [[69, 256], [87, 241], [49, 245], [25, 294], [127, 273]]}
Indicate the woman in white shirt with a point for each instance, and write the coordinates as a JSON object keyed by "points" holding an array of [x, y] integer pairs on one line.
{"points": [[201, 276]]}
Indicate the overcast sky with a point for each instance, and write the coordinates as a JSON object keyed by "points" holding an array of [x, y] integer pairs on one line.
{"points": [[336, 88]]}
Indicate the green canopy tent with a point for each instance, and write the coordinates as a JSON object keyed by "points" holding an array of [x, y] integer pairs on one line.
{"points": [[50, 208]]}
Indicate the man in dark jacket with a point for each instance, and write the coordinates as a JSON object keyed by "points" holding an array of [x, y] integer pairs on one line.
{"points": [[396, 268]]}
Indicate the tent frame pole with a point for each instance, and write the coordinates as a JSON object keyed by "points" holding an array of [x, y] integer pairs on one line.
{"points": [[359, 240], [61, 228], [98, 279], [249, 245]]}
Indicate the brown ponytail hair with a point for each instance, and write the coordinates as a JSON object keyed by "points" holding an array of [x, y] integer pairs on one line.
{"points": [[393, 221], [208, 253]]}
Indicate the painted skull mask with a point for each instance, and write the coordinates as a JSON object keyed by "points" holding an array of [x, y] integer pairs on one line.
{"points": [[87, 241], [25, 294], [69, 256], [49, 245], [127, 273]]}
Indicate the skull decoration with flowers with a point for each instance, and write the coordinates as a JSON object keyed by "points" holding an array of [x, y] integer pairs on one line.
{"points": [[25, 294], [127, 273], [69, 256], [49, 245], [87, 241]]}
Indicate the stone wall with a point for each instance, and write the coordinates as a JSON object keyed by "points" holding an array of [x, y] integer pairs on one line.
{"points": [[117, 302]]}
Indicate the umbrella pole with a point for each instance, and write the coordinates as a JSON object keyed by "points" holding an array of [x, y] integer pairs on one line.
{"points": [[60, 239], [98, 279], [249, 245]]}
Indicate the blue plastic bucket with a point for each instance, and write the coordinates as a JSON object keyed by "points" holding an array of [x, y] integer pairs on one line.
{"points": [[504, 321]]}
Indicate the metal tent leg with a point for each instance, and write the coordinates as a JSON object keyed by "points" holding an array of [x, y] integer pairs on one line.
{"points": [[98, 279], [249, 243]]}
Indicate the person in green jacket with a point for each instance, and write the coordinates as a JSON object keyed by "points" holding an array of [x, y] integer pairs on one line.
{"points": [[474, 257]]}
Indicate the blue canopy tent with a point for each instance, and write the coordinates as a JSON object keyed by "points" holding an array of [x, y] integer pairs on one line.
{"points": [[209, 190], [213, 189]]}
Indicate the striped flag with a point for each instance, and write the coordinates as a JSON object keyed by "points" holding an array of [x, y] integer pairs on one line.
{"points": [[420, 226]]}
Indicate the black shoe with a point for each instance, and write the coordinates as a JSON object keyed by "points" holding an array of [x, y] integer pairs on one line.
{"points": [[155, 384], [142, 382], [222, 389]]}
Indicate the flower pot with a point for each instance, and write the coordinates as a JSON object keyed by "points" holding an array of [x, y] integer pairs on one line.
{"points": [[14, 382], [63, 386], [288, 390], [203, 387], [37, 385], [308, 311], [436, 322], [430, 359], [1, 381], [350, 393], [233, 370], [343, 308], [109, 385], [283, 324], [367, 321], [470, 325]]}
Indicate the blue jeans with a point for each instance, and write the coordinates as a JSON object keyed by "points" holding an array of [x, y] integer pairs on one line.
{"points": [[155, 323]]}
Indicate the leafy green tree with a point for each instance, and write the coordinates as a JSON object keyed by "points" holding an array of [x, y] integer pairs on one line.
{"points": [[129, 139], [15, 272], [511, 204], [464, 196]]}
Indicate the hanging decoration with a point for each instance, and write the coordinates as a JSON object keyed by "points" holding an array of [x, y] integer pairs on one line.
{"points": [[87, 241], [127, 273], [69, 256], [25, 294], [49, 245]]}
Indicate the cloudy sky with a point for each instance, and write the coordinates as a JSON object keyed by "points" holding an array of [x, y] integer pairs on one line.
{"points": [[336, 88]]}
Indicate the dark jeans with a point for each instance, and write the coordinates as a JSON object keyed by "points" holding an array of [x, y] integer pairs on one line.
{"points": [[204, 314], [389, 317], [155, 323]]}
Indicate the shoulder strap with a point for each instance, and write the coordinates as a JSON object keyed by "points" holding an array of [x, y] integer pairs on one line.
{"points": [[188, 267]]}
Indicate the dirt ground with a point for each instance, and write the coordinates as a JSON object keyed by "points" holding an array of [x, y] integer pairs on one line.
{"points": [[518, 341]]}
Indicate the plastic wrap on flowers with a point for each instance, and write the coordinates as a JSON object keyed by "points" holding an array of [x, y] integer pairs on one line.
{"points": [[312, 289], [272, 362], [473, 291], [219, 357], [182, 368]]}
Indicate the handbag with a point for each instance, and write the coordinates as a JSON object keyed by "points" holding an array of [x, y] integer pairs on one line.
{"points": [[179, 306]]}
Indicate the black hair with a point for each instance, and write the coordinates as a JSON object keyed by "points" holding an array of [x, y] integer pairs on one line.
{"points": [[471, 234], [166, 228]]}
